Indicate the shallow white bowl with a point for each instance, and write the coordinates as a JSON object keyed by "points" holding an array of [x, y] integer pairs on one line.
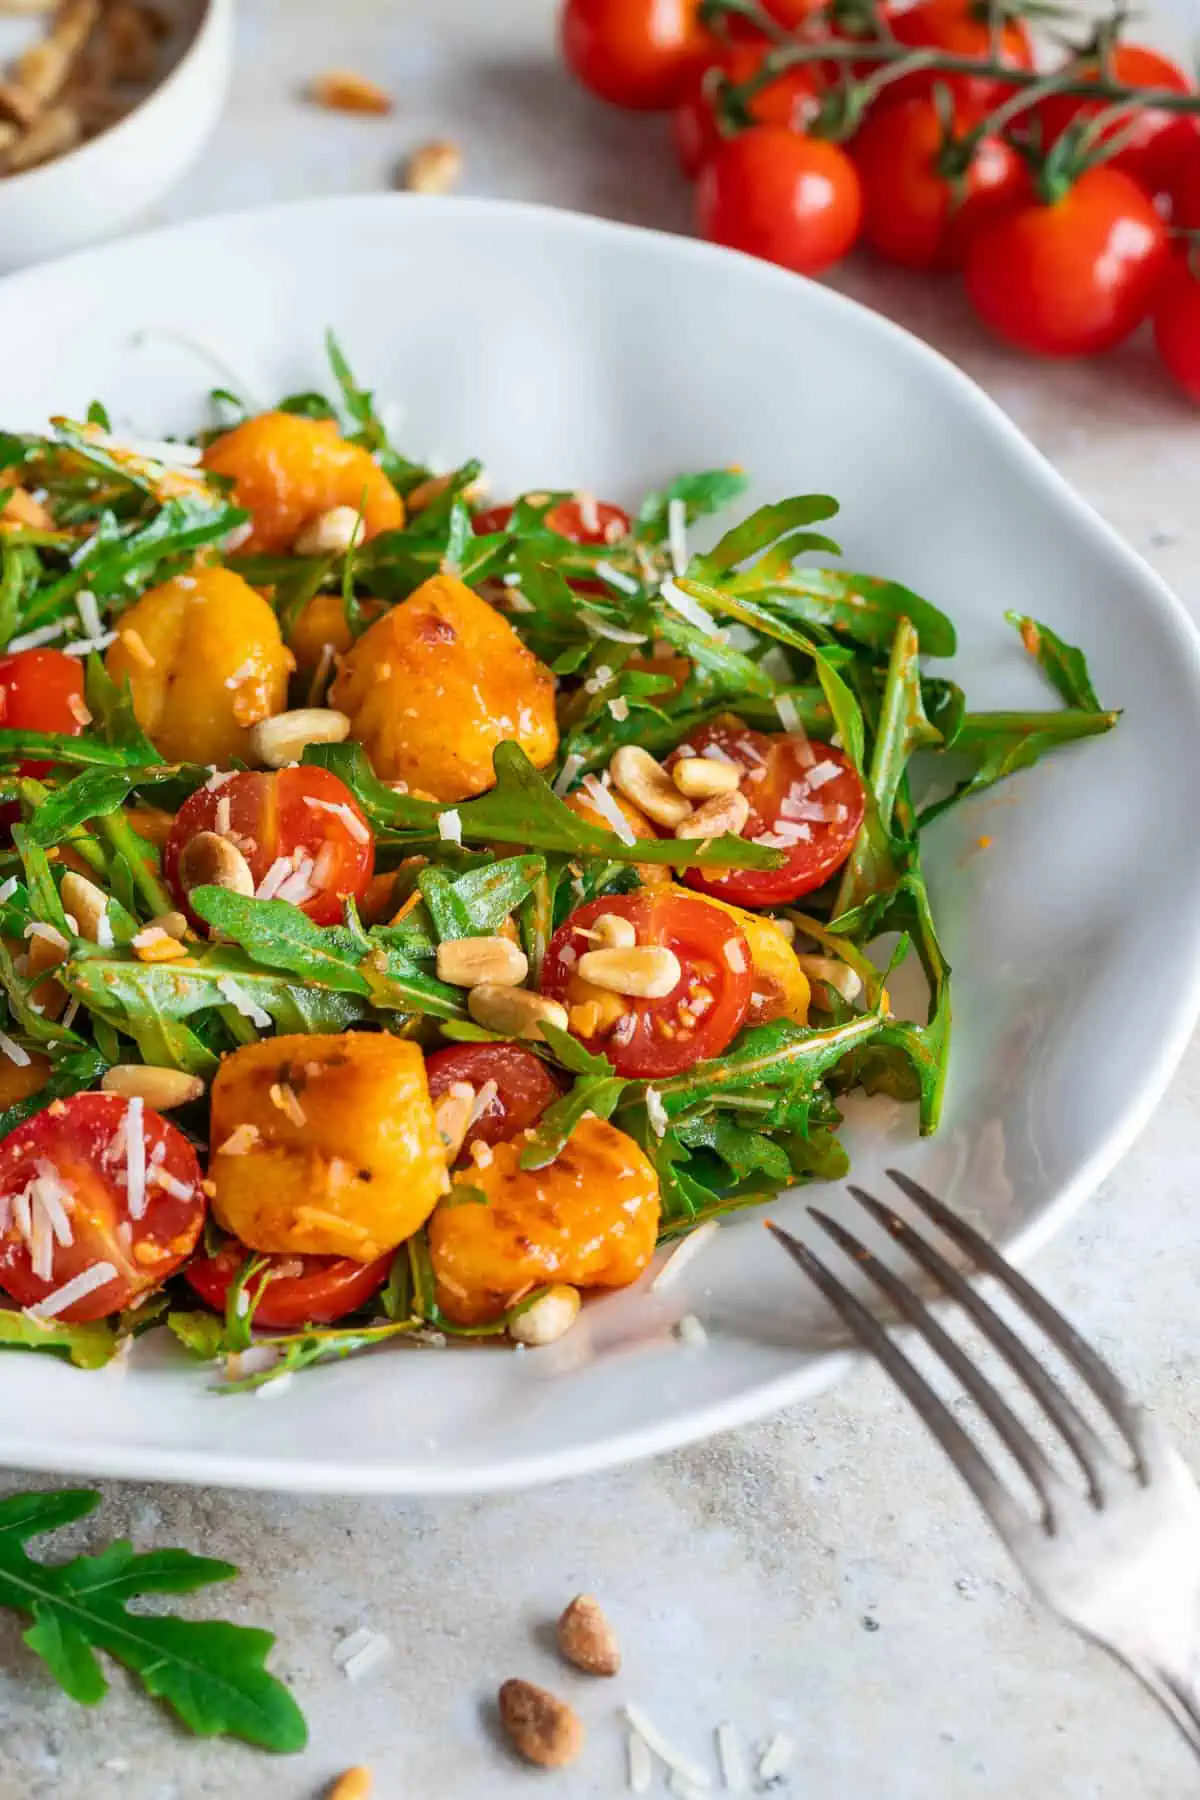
{"points": [[118, 175], [565, 351]]}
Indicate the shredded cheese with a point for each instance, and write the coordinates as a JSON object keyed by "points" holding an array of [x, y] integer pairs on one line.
{"points": [[731, 1757], [85, 646], [824, 771], [8, 889], [240, 1140], [775, 1757], [607, 807], [675, 1760], [641, 1769], [135, 1156], [683, 1253], [619, 708], [89, 613], [350, 819], [78, 1288], [45, 634], [237, 997], [14, 1051], [688, 609], [274, 878], [450, 826], [565, 780], [656, 1112], [677, 535], [625, 584]]}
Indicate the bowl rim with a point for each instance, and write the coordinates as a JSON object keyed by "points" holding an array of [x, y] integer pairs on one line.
{"points": [[211, 16]]}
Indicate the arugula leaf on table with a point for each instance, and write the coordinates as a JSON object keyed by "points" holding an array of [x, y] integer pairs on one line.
{"points": [[211, 1673], [1064, 666]]}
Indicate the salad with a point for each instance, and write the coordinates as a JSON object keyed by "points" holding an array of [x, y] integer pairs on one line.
{"points": [[414, 910]]}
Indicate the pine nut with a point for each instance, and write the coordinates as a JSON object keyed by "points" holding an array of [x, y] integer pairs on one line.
{"points": [[727, 812], [833, 973], [514, 1012], [611, 932], [173, 923], [87, 905], [482, 962], [452, 1115], [433, 168], [355, 1784], [212, 861], [644, 781], [330, 533], [700, 778], [159, 1088], [551, 1314], [649, 971], [284, 738]]}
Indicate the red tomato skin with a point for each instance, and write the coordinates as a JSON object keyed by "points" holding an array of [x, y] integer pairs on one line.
{"points": [[712, 951], [269, 817], [1155, 141], [791, 101], [74, 1139], [41, 690], [632, 53], [608, 524], [913, 214], [1177, 324], [525, 1086], [1073, 277], [323, 1290], [772, 193], [783, 763], [1185, 185], [960, 28]]}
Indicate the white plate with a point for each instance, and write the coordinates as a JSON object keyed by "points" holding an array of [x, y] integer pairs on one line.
{"points": [[566, 352]]}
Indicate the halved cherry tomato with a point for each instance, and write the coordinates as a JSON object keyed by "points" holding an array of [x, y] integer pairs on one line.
{"points": [[42, 690], [774, 193], [579, 520], [790, 100], [522, 1086], [913, 212], [68, 1205], [301, 816], [805, 799], [1153, 141], [299, 1290], [656, 1037], [1177, 323], [960, 28], [635, 53], [1073, 276]]}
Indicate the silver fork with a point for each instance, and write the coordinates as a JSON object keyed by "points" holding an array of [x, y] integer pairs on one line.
{"points": [[1117, 1555]]}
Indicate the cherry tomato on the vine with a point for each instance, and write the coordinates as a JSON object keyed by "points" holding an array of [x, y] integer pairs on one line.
{"points": [[656, 1037], [806, 799], [790, 199], [1185, 185], [1177, 323], [581, 520], [960, 28], [790, 100], [916, 210], [81, 1197], [521, 1087], [298, 1290], [301, 826], [1071, 276], [1153, 141], [42, 690], [635, 53]]}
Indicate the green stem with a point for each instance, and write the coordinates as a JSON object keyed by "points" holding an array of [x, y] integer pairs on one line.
{"points": [[125, 840]]}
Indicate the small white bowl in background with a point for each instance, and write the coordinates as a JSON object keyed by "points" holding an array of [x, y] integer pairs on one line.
{"points": [[116, 176]]}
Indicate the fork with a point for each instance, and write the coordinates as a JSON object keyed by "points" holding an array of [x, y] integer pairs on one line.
{"points": [[1116, 1555]]}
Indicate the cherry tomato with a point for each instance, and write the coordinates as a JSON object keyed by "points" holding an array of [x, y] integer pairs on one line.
{"points": [[635, 53], [1154, 141], [790, 199], [1185, 185], [697, 1019], [790, 100], [580, 520], [1177, 323], [913, 212], [300, 1290], [796, 803], [792, 14], [1073, 276], [42, 690], [959, 28], [521, 1086], [68, 1206], [288, 815]]}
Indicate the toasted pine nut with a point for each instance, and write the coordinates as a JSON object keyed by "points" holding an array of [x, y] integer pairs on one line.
{"points": [[173, 923], [452, 1115], [727, 812], [551, 1314], [329, 533], [284, 738], [832, 972], [649, 971], [514, 1011], [612, 932], [644, 781], [212, 861], [355, 1784], [433, 168], [700, 778], [342, 90], [159, 1088], [87, 905], [482, 962]]}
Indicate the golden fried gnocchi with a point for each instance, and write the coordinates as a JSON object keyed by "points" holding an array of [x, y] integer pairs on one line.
{"points": [[204, 661], [590, 1218], [781, 988], [325, 1145], [435, 684], [287, 471]]}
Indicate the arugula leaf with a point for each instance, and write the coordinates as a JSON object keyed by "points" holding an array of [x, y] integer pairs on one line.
{"points": [[369, 430], [477, 903], [115, 986], [1064, 666], [95, 792], [1000, 743], [595, 1094], [87, 1346], [861, 607], [70, 1073], [701, 494], [213, 1674], [761, 529], [202, 1334]]}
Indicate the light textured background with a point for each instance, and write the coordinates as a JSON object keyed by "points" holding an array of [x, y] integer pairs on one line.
{"points": [[822, 1574]]}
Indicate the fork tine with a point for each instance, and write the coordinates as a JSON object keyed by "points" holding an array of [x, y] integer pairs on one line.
{"points": [[1087, 1448], [1013, 1434], [997, 1502], [1124, 1412]]}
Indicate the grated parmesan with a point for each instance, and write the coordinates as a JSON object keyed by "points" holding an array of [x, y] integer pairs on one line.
{"points": [[89, 613], [482, 1101], [8, 889], [45, 634], [641, 1769], [358, 1654], [14, 1051], [776, 1756], [607, 807], [237, 997], [732, 1759], [687, 608], [450, 826], [619, 708], [677, 535], [656, 1112], [670, 1271], [675, 1760], [691, 1332], [274, 878], [85, 646], [350, 819], [240, 1140], [78, 1288], [565, 780], [135, 1156], [625, 584], [824, 771]]}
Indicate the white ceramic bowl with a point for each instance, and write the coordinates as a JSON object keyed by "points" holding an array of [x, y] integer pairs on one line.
{"points": [[566, 351], [116, 176]]}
